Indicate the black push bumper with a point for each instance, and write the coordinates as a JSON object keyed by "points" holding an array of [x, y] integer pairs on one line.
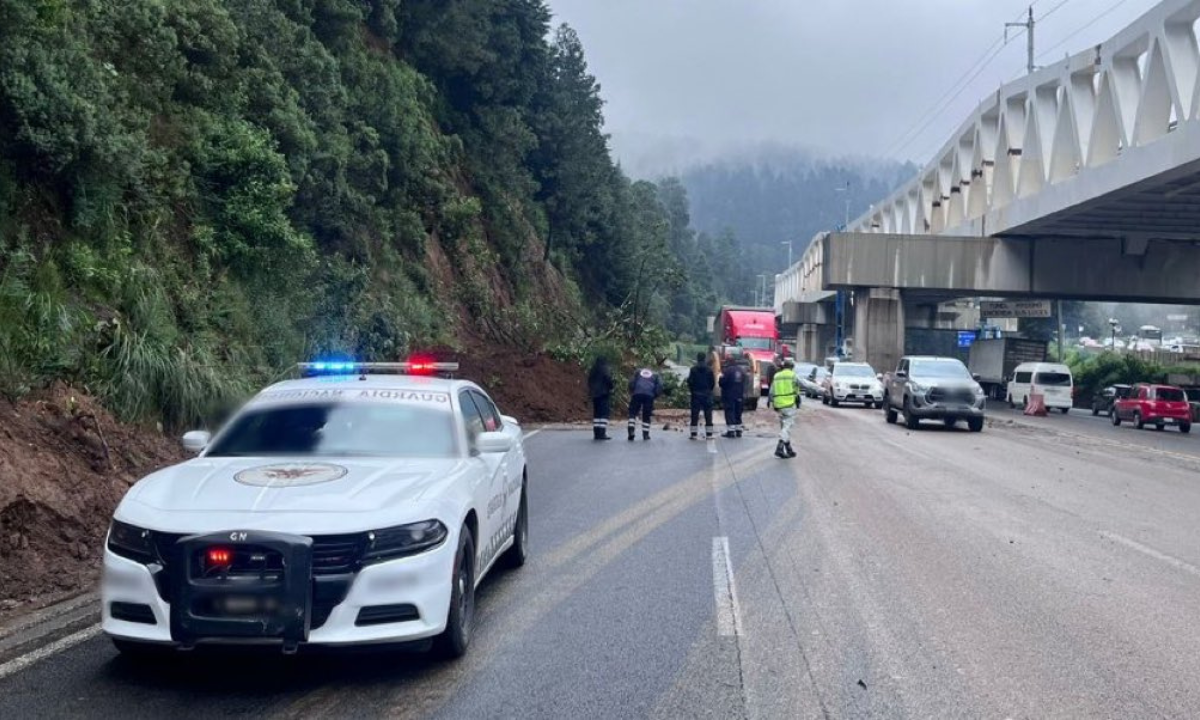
{"points": [[263, 594]]}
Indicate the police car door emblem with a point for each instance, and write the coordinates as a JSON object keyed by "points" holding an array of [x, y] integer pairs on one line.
{"points": [[290, 474]]}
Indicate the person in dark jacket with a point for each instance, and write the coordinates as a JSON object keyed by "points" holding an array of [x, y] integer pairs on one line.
{"points": [[644, 387], [701, 383], [733, 391], [600, 387]]}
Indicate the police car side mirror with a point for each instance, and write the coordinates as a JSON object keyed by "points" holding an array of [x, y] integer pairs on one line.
{"points": [[493, 442], [196, 440]]}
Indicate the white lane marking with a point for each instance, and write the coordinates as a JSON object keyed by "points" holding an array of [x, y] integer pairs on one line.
{"points": [[530, 434], [729, 613], [16, 665], [1147, 550]]}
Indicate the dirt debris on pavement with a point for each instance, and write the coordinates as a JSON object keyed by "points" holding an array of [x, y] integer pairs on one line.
{"points": [[64, 465]]}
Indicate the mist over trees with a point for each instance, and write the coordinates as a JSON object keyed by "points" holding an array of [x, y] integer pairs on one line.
{"points": [[779, 194]]}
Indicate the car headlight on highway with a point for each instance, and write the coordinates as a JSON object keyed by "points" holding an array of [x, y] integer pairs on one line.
{"points": [[132, 542], [403, 540]]}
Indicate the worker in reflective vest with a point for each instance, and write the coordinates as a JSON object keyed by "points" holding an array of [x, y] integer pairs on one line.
{"points": [[786, 401]]}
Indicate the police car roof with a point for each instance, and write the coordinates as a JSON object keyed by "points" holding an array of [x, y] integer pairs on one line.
{"points": [[380, 381]]}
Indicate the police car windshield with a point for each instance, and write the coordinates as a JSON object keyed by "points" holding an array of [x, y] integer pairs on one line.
{"points": [[357, 429]]}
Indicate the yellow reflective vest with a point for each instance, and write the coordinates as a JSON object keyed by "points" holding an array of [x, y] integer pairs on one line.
{"points": [[783, 390]]}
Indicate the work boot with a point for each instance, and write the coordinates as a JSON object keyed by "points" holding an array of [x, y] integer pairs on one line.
{"points": [[645, 436], [603, 435], [631, 435], [779, 451], [738, 433], [693, 437], [790, 452], [597, 434], [728, 434]]}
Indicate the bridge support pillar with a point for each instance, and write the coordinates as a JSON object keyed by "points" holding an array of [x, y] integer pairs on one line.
{"points": [[814, 342], [878, 327]]}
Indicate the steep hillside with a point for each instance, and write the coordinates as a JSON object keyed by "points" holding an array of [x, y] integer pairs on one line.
{"points": [[196, 193]]}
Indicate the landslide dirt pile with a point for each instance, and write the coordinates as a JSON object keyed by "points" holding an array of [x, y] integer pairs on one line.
{"points": [[532, 387], [64, 465]]}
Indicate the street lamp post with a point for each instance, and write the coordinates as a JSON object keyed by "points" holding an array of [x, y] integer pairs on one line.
{"points": [[846, 189], [1116, 327]]}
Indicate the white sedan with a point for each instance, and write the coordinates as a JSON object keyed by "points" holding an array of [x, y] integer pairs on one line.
{"points": [[347, 508]]}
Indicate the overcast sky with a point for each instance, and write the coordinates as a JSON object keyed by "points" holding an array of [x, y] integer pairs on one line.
{"points": [[848, 77]]}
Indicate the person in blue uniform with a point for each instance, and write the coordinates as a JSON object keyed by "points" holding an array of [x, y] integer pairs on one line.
{"points": [[644, 388]]}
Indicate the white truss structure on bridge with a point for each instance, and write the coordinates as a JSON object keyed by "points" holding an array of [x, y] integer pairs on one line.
{"points": [[1093, 123]]}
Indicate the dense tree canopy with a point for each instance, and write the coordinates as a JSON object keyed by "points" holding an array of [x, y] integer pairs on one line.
{"points": [[195, 193]]}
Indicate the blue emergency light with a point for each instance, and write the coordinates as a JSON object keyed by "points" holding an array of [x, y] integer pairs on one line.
{"points": [[339, 367]]}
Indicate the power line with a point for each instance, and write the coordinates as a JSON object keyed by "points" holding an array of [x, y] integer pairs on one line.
{"points": [[906, 138], [951, 95], [1052, 10], [1083, 27]]}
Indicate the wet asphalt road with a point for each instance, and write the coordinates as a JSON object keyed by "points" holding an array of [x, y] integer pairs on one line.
{"points": [[1041, 569]]}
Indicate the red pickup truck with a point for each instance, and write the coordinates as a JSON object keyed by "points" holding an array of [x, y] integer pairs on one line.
{"points": [[1157, 405]]}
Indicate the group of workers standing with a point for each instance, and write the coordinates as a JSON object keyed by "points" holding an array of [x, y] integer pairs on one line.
{"points": [[646, 386]]}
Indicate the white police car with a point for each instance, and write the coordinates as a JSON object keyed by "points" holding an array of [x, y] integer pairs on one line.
{"points": [[352, 507]]}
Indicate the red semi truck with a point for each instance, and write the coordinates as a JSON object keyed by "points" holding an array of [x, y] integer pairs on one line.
{"points": [[752, 329]]}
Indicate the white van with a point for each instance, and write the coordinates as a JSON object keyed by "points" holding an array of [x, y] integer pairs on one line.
{"points": [[1052, 380]]}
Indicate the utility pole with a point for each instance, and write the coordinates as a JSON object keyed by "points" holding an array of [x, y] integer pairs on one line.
{"points": [[1061, 328], [1028, 25]]}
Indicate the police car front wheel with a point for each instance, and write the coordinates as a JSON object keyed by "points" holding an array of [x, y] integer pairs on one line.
{"points": [[453, 641]]}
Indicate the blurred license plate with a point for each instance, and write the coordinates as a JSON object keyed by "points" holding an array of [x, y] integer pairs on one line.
{"points": [[248, 605]]}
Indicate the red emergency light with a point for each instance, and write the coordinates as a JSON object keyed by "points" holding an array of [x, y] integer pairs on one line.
{"points": [[218, 557]]}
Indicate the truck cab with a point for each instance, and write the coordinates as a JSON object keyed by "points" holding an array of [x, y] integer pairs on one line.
{"points": [[754, 331]]}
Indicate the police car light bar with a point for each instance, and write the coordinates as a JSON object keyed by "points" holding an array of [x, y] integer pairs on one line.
{"points": [[376, 368]]}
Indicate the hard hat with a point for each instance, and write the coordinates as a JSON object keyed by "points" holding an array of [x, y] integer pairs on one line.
{"points": [[788, 362]]}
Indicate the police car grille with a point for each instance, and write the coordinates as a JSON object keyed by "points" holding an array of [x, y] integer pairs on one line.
{"points": [[337, 554]]}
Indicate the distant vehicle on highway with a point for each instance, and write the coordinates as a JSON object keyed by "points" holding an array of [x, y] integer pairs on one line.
{"points": [[1157, 405], [356, 506], [1102, 402], [933, 388], [814, 382], [1052, 380], [853, 383], [993, 361]]}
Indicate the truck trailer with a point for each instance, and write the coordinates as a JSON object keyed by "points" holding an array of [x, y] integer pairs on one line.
{"points": [[992, 361]]}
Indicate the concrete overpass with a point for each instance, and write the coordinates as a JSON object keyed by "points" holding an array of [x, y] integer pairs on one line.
{"points": [[1081, 180]]}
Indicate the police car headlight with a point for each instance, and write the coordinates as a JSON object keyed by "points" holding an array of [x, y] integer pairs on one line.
{"points": [[131, 542], [403, 540]]}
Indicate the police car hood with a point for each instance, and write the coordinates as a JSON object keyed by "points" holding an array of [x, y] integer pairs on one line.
{"points": [[299, 485]]}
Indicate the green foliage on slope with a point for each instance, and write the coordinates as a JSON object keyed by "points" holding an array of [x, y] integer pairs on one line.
{"points": [[196, 193]]}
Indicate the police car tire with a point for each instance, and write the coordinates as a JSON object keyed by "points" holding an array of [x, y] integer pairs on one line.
{"points": [[515, 556], [453, 641]]}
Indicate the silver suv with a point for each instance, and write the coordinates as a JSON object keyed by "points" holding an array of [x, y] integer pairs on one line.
{"points": [[933, 388]]}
